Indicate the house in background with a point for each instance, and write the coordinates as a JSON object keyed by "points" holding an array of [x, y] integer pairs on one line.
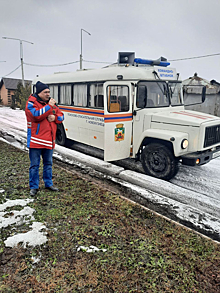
{"points": [[192, 92], [7, 89]]}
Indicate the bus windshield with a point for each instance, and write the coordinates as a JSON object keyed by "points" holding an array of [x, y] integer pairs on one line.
{"points": [[162, 94], [175, 93], [157, 94]]}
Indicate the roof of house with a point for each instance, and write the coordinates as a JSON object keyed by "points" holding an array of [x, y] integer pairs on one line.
{"points": [[214, 82], [196, 80], [12, 83]]}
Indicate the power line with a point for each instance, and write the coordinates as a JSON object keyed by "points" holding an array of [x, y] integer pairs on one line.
{"points": [[98, 62], [105, 62], [210, 55], [12, 71], [195, 57], [108, 62], [55, 65]]}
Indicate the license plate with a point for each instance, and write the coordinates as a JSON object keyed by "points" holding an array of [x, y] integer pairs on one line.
{"points": [[215, 155]]}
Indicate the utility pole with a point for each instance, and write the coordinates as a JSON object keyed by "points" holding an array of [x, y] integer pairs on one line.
{"points": [[21, 55], [22, 63], [80, 57]]}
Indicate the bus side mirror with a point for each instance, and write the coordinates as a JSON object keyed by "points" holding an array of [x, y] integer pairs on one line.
{"points": [[142, 96], [203, 94]]}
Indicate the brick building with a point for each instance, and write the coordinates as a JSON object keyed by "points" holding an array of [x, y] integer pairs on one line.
{"points": [[7, 89]]}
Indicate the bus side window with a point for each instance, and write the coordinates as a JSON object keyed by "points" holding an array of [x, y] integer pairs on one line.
{"points": [[99, 101], [80, 95], [114, 105], [65, 94], [96, 97], [54, 92], [118, 98], [123, 103]]}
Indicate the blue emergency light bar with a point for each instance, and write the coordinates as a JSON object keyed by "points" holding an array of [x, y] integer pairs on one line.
{"points": [[151, 62]]}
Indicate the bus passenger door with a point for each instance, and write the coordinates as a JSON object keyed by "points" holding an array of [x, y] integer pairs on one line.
{"points": [[118, 120]]}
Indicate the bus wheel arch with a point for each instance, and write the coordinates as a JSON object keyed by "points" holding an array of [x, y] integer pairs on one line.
{"points": [[158, 159]]}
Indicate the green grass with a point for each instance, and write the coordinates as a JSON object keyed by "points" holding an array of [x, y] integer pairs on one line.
{"points": [[145, 253]]}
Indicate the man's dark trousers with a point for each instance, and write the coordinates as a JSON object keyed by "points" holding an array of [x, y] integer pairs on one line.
{"points": [[35, 156]]}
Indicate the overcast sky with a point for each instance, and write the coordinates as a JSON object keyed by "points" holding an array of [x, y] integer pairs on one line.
{"points": [[174, 29]]}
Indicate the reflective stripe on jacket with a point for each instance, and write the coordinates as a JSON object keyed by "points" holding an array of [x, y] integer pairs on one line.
{"points": [[40, 132]]}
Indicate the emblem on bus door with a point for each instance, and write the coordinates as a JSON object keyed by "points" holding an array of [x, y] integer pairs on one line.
{"points": [[119, 132]]}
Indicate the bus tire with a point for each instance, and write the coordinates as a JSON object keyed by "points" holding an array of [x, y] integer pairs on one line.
{"points": [[61, 135], [158, 161]]}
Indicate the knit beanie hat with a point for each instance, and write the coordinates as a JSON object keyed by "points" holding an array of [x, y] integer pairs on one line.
{"points": [[40, 87]]}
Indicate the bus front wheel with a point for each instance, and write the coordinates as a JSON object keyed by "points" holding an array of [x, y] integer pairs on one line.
{"points": [[60, 135], [158, 161]]}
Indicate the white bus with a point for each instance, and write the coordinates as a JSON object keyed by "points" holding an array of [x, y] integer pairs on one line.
{"points": [[134, 109]]}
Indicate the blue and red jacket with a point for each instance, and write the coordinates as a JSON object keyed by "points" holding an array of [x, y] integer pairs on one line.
{"points": [[40, 132]]}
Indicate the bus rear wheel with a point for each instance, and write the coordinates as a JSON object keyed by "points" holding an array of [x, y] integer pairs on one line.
{"points": [[158, 161], [61, 135]]}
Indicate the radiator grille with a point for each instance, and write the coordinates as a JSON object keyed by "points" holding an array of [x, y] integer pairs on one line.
{"points": [[212, 135]]}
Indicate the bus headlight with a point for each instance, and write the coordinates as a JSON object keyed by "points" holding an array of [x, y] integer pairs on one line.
{"points": [[184, 143]]}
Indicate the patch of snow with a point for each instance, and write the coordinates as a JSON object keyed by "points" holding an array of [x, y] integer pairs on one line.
{"points": [[7, 218], [16, 217], [15, 202], [30, 238], [91, 248], [35, 259]]}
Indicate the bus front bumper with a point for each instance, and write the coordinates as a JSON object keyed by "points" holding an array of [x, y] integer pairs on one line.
{"points": [[200, 158]]}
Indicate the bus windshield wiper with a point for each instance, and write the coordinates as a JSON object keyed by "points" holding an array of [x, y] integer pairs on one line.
{"points": [[164, 91], [174, 86]]}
